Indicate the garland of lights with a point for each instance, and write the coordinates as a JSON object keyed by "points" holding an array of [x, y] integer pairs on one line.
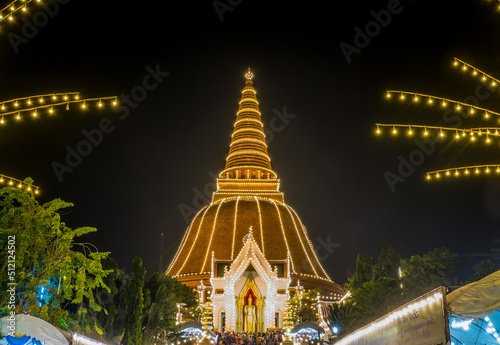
{"points": [[13, 7], [20, 184], [32, 104], [472, 133]]}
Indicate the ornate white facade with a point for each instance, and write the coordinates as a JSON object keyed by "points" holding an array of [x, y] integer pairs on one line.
{"points": [[250, 274]]}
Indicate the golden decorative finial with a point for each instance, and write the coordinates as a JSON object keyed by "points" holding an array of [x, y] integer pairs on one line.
{"points": [[249, 74]]}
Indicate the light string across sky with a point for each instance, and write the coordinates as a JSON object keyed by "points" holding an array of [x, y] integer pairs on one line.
{"points": [[486, 134]]}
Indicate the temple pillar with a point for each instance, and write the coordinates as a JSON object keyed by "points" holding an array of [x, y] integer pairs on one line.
{"points": [[260, 307], [239, 314]]}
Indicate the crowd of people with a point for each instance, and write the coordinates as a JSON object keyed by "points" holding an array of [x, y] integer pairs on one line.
{"points": [[230, 338]]}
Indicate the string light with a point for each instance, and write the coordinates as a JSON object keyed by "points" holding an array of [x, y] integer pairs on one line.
{"points": [[477, 71], [20, 184], [43, 104], [486, 168], [444, 101]]}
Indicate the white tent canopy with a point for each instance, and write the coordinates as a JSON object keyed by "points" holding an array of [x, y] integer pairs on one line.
{"points": [[35, 328], [476, 299]]}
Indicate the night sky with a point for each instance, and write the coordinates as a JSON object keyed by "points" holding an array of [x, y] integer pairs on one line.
{"points": [[164, 149]]}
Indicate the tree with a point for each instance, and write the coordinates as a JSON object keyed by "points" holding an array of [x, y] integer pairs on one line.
{"points": [[423, 273], [362, 274], [134, 305], [161, 295], [51, 268], [303, 307], [388, 264], [483, 269], [111, 317]]}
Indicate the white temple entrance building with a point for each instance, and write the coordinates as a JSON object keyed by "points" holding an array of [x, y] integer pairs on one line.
{"points": [[250, 295]]}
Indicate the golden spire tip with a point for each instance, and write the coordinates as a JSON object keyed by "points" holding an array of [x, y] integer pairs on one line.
{"points": [[249, 74]]}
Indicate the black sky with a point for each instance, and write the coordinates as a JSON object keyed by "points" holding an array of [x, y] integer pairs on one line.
{"points": [[330, 163]]}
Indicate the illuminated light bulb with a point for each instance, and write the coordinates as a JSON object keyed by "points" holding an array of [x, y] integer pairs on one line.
{"points": [[447, 173], [20, 185], [487, 170], [24, 8], [484, 78], [115, 102], [477, 171], [493, 84], [12, 8], [388, 95], [28, 189], [430, 101], [1, 179], [443, 104], [457, 136], [10, 17], [428, 176], [416, 99], [410, 132], [41, 99], [51, 110], [463, 133], [455, 63], [34, 113], [425, 132], [77, 97], [498, 170], [378, 130], [472, 138], [402, 97], [54, 97], [2, 120], [16, 104], [394, 131], [18, 117], [83, 105], [479, 133], [472, 110], [11, 183], [437, 175], [486, 115], [29, 101], [474, 73], [99, 104], [67, 106], [36, 191], [488, 140], [441, 134], [464, 67], [458, 107], [466, 172], [65, 97]]}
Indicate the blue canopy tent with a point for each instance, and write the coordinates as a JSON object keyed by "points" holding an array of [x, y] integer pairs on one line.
{"points": [[474, 316]]}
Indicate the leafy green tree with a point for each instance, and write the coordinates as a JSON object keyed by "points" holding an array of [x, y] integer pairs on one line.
{"points": [[161, 295], [388, 264], [338, 316], [483, 269], [303, 307], [134, 305], [362, 274], [52, 269], [111, 317], [424, 273]]}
